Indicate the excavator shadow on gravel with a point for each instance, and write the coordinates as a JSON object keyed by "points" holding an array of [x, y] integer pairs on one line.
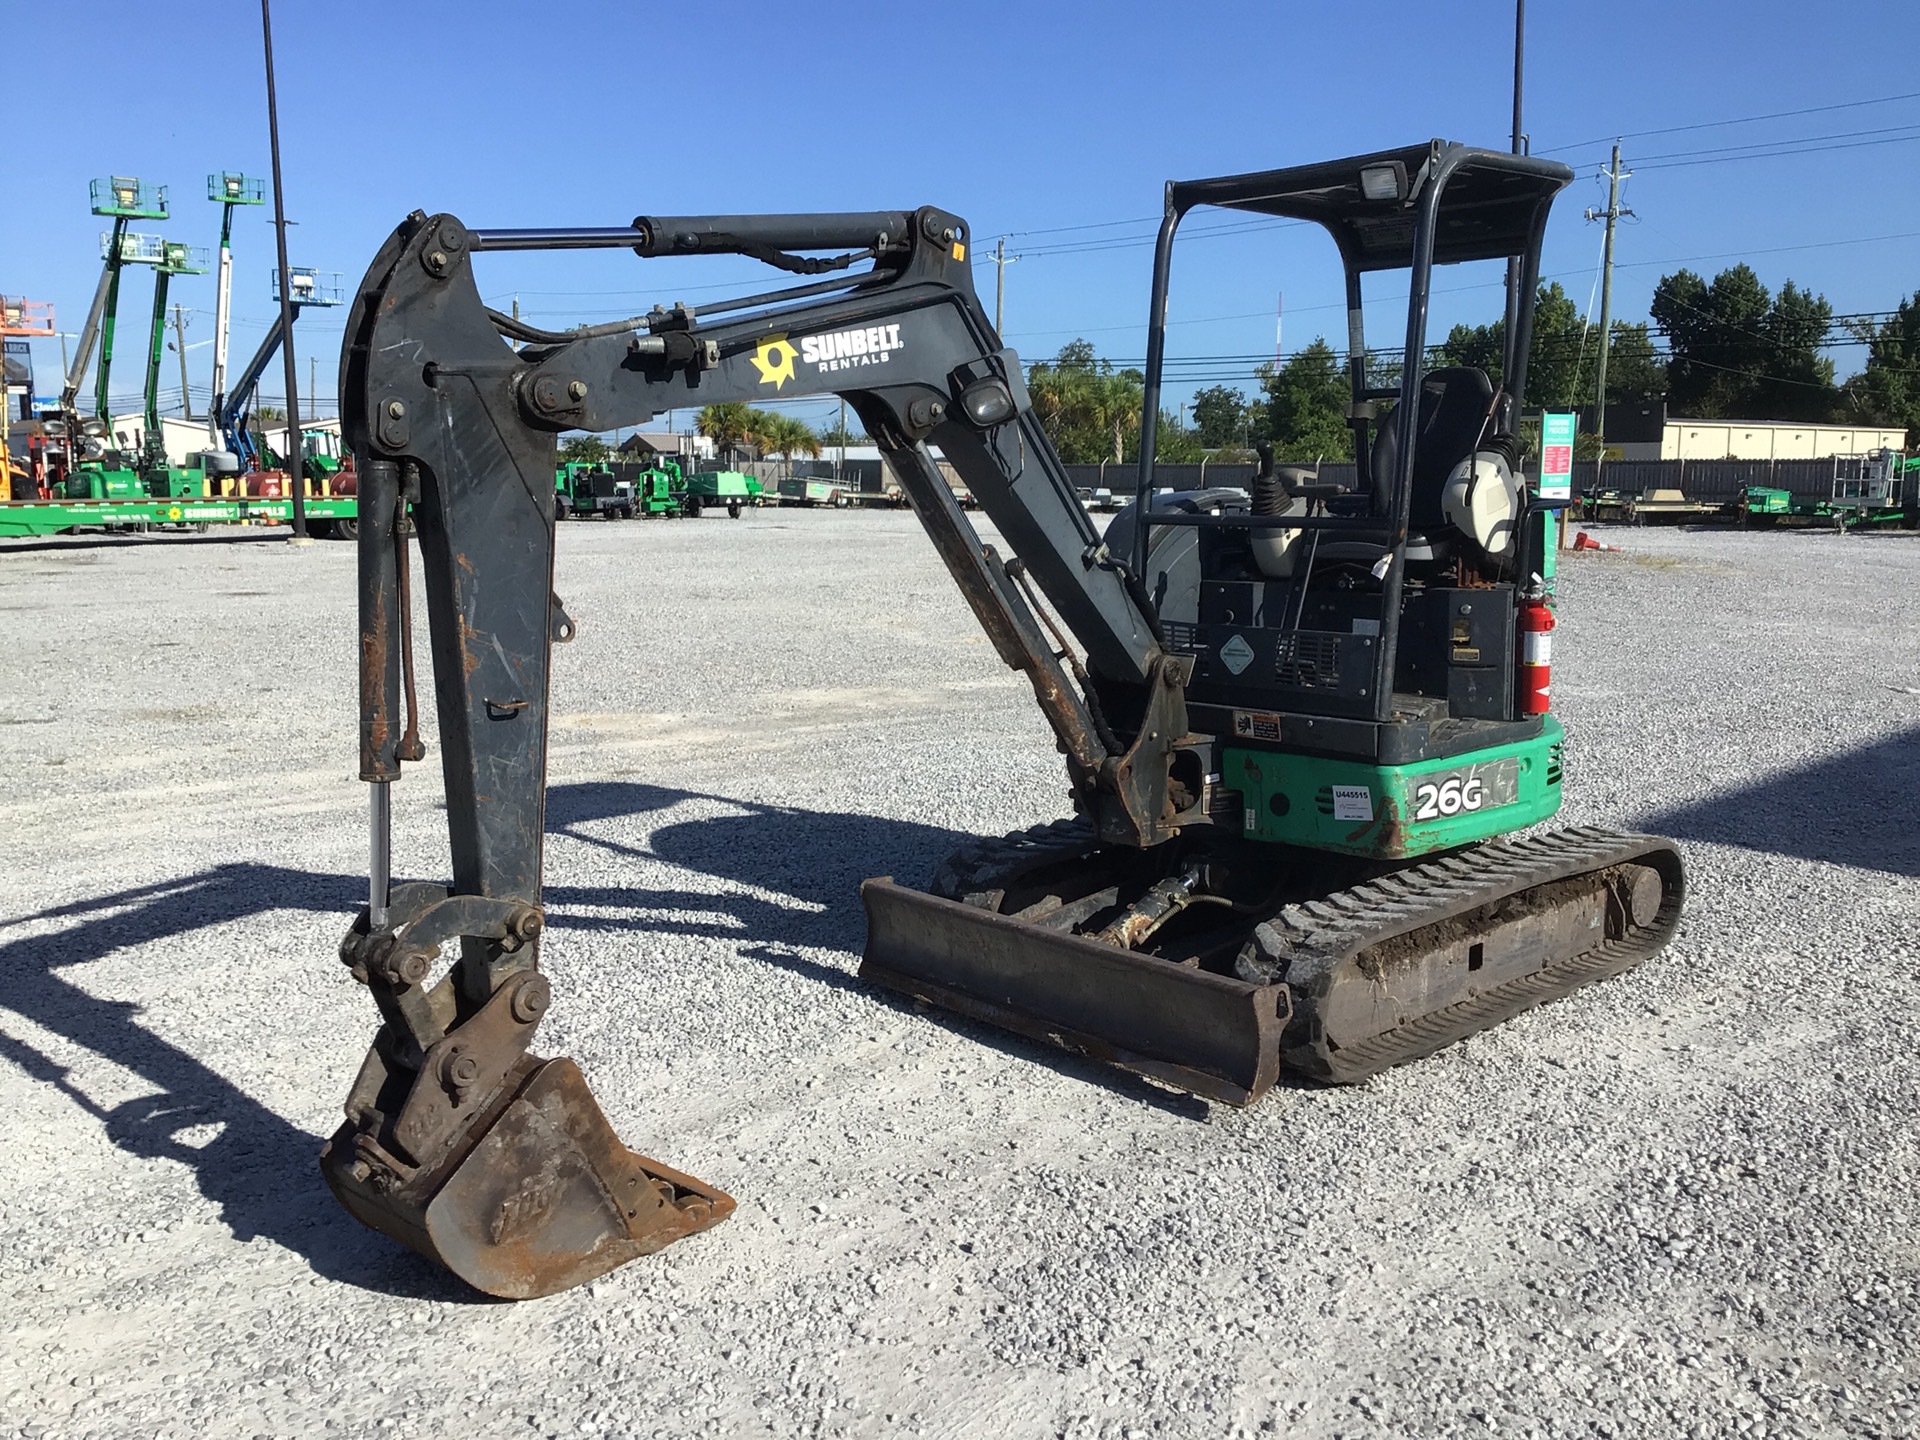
{"points": [[1297, 720]]}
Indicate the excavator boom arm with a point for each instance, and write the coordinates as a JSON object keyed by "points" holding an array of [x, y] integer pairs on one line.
{"points": [[429, 384], [453, 1123]]}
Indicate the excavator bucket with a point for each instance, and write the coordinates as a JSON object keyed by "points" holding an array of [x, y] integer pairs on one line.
{"points": [[541, 1195]]}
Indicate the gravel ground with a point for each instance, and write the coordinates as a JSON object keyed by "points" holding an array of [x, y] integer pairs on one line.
{"points": [[1680, 1203]]}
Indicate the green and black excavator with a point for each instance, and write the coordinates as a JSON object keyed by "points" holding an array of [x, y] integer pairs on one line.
{"points": [[1301, 722]]}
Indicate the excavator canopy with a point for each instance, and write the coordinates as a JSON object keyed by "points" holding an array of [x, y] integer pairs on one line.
{"points": [[1491, 205]]}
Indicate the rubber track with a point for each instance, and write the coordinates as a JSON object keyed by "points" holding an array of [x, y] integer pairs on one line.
{"points": [[1327, 936]]}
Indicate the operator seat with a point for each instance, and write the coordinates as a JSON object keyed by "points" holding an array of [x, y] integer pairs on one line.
{"points": [[1453, 412], [1454, 402]]}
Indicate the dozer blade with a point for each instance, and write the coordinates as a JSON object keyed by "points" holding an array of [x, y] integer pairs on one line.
{"points": [[541, 1196], [1211, 1034]]}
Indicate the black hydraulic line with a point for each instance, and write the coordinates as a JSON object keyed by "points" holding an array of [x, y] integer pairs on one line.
{"points": [[1360, 529], [520, 330]]}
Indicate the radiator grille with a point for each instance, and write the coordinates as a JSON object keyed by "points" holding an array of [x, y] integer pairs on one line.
{"points": [[1553, 764], [1309, 660]]}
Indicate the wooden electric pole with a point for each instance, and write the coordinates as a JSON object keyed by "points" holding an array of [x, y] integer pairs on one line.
{"points": [[1611, 215], [180, 344], [1001, 260]]}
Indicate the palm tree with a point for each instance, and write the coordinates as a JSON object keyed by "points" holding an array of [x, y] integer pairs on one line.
{"points": [[1116, 398], [785, 435], [726, 424]]}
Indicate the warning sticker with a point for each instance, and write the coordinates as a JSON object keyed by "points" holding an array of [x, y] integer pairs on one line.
{"points": [[1352, 802], [1256, 725], [1236, 654]]}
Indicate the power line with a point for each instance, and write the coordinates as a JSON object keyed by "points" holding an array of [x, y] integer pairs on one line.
{"points": [[1741, 120]]}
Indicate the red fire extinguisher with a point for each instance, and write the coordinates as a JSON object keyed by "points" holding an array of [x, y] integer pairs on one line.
{"points": [[1536, 654]]}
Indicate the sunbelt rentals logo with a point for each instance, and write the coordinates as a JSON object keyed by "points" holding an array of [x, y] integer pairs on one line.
{"points": [[834, 351]]}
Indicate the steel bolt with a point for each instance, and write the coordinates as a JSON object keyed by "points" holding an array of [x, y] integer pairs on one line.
{"points": [[360, 1170], [463, 1070], [395, 410], [411, 967], [577, 389], [528, 924], [438, 259], [530, 1000]]}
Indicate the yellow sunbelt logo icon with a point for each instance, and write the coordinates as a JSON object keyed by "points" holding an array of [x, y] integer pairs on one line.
{"points": [[774, 360]]}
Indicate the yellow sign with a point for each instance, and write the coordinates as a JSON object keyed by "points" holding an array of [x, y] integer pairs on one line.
{"points": [[774, 360], [173, 512]]}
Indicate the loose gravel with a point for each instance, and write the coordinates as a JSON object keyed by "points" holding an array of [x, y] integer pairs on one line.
{"points": [[1678, 1204]]}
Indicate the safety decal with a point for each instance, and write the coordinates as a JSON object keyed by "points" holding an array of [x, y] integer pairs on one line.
{"points": [[1236, 654], [1256, 725]]}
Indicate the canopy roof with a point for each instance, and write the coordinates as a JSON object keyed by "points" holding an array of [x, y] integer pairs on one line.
{"points": [[1491, 203]]}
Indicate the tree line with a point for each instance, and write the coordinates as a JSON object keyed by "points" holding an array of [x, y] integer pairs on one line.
{"points": [[1721, 349]]}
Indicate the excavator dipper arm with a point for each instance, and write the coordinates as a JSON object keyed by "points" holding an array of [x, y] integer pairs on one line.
{"points": [[458, 1141]]}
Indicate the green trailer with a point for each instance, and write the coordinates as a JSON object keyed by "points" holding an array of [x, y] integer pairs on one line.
{"points": [[332, 515], [1761, 506], [710, 489]]}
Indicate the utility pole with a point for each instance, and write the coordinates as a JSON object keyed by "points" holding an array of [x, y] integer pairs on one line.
{"points": [[1611, 215], [313, 384], [1514, 298], [1001, 260], [180, 344], [842, 475], [299, 476]]}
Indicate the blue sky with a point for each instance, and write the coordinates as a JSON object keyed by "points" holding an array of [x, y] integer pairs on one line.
{"points": [[1024, 118]]}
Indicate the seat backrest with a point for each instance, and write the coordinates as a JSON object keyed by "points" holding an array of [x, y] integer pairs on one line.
{"points": [[1453, 409]]}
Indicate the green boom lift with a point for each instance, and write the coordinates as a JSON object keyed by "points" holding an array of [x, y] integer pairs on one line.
{"points": [[120, 198], [161, 477]]}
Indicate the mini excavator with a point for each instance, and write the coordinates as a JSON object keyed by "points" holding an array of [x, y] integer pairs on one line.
{"points": [[1301, 721]]}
